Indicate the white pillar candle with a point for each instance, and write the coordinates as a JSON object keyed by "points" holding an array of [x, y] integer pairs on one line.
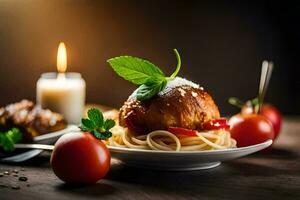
{"points": [[65, 95], [62, 92]]}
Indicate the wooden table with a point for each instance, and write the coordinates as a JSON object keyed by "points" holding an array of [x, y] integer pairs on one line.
{"points": [[260, 176]]}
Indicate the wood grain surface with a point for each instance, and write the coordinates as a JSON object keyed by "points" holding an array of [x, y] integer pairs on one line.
{"points": [[273, 175]]}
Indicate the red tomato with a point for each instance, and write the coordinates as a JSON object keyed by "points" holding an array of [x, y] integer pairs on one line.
{"points": [[80, 158], [216, 124], [272, 114], [250, 129], [182, 131]]}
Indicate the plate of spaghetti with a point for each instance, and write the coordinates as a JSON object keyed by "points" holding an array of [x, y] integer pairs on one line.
{"points": [[169, 123]]}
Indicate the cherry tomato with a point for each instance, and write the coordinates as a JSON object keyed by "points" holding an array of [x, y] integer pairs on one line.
{"points": [[80, 158], [272, 114], [216, 124], [250, 129], [182, 131]]}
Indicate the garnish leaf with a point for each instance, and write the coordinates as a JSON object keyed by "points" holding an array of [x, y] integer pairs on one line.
{"points": [[236, 102], [135, 70], [151, 88], [96, 125], [143, 73], [102, 135], [254, 103], [95, 116], [87, 124], [9, 138], [108, 124]]}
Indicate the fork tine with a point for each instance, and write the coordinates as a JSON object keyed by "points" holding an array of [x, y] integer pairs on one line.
{"points": [[22, 157]]}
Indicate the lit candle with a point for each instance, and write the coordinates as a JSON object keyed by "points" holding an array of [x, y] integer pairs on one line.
{"points": [[62, 92]]}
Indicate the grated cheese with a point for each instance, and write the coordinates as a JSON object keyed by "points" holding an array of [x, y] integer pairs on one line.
{"points": [[178, 81]]}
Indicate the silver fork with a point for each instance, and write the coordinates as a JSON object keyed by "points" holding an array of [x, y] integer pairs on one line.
{"points": [[36, 150], [34, 146], [22, 156]]}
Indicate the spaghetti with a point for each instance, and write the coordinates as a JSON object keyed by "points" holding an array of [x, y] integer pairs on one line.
{"points": [[167, 141]]}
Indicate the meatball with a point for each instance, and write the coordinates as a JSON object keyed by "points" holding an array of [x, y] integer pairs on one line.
{"points": [[181, 104]]}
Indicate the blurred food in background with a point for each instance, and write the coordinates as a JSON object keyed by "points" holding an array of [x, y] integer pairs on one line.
{"points": [[30, 119]]}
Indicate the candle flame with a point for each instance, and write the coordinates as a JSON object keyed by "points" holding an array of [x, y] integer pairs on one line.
{"points": [[62, 58]]}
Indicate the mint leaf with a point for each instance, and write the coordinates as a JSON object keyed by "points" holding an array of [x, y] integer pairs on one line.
{"points": [[96, 125], [98, 135], [87, 125], [102, 135], [95, 116], [151, 88], [108, 124], [143, 73], [135, 70]]}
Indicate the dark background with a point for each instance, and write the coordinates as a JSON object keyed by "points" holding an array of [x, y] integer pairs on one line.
{"points": [[222, 45]]}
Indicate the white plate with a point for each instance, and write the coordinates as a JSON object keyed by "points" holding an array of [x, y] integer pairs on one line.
{"points": [[183, 160], [50, 138]]}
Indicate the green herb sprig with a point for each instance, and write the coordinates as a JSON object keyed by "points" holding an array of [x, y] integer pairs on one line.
{"points": [[143, 73], [96, 124], [253, 103], [9, 138]]}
